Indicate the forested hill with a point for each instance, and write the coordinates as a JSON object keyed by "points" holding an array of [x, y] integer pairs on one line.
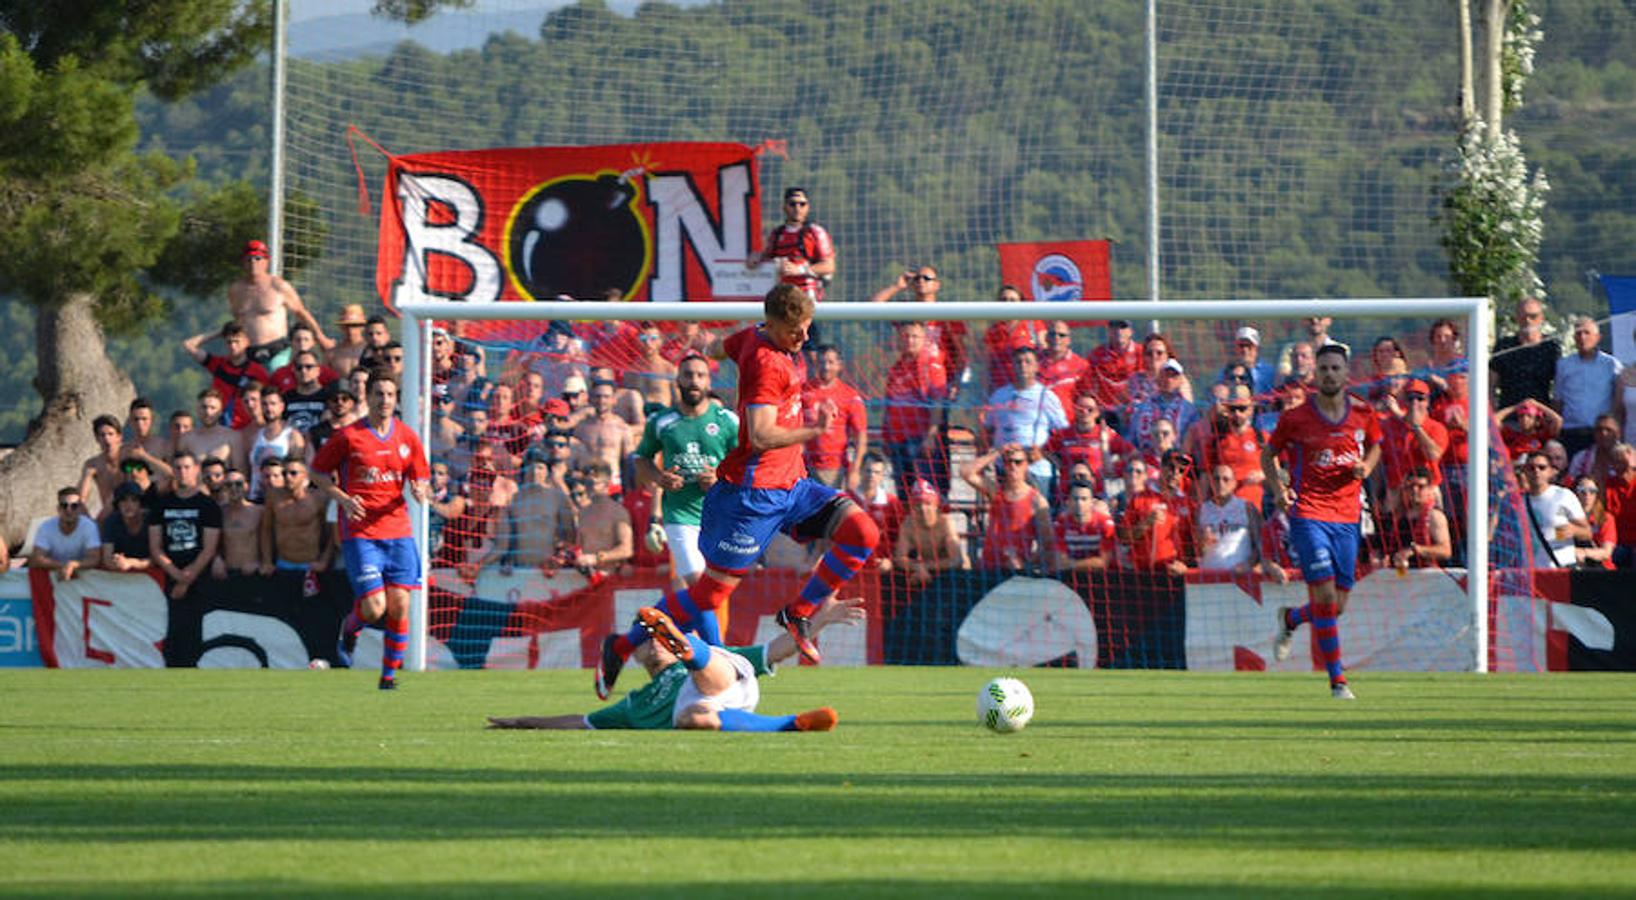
{"points": [[934, 128]]}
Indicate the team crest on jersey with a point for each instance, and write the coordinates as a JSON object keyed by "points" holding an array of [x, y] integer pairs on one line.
{"points": [[712, 429], [1358, 435], [403, 451]]}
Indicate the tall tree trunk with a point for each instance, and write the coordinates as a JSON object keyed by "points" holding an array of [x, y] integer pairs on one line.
{"points": [[1494, 16], [78, 383], [1468, 85]]}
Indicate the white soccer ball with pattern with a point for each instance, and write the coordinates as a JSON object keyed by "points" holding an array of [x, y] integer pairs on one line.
{"points": [[1005, 705]]}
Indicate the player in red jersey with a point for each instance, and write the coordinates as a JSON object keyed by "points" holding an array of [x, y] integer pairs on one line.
{"points": [[762, 488], [372, 458], [1334, 443]]}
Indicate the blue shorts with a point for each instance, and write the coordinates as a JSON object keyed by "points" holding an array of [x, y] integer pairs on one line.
{"points": [[374, 565], [1325, 551], [738, 522]]}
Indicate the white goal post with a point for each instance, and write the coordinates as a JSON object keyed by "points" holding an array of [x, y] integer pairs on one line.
{"points": [[418, 318]]}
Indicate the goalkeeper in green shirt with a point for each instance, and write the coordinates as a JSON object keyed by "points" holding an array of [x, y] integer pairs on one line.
{"points": [[698, 686]]}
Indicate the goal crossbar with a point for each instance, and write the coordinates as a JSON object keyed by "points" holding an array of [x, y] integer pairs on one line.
{"points": [[417, 382]]}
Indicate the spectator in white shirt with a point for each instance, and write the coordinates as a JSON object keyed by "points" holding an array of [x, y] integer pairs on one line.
{"points": [[1556, 518], [70, 542], [1025, 413]]}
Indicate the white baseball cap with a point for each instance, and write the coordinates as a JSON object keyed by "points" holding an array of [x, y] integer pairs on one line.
{"points": [[1248, 334]]}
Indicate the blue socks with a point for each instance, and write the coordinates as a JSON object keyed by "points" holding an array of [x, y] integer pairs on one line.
{"points": [[739, 720]]}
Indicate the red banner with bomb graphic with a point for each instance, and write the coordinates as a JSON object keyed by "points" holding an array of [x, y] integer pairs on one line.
{"points": [[663, 223]]}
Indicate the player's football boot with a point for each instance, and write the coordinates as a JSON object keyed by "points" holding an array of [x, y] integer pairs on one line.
{"points": [[1286, 636], [607, 667], [344, 648], [821, 719], [387, 683], [664, 632], [800, 630], [1341, 691]]}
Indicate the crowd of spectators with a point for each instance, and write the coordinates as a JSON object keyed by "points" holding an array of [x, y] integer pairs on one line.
{"points": [[1031, 446]]}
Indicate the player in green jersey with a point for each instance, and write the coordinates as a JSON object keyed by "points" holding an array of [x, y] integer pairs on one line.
{"points": [[701, 687]]}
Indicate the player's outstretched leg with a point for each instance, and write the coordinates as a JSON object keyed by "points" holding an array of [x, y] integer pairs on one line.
{"points": [[821, 719], [690, 649], [852, 540]]}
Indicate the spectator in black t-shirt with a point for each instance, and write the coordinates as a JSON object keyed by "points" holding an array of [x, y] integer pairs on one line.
{"points": [[125, 545], [1524, 364], [304, 404], [184, 531]]}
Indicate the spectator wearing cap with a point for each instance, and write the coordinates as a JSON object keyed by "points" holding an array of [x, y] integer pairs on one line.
{"points": [[1410, 439], [1232, 441], [1169, 403], [1085, 532], [343, 411], [1600, 459], [1110, 367], [835, 458], [1091, 441], [1527, 426], [1018, 535], [125, 532], [803, 249], [69, 542], [946, 341], [1524, 364], [1584, 385], [345, 353], [232, 374], [1156, 526], [1247, 350], [262, 303], [1025, 413], [927, 542], [1002, 338], [916, 393], [874, 494]]}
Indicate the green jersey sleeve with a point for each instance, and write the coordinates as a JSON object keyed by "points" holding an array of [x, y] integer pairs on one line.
{"points": [[650, 707], [649, 447]]}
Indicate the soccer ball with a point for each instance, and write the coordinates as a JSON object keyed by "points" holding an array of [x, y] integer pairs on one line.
{"points": [[1005, 705], [318, 664]]}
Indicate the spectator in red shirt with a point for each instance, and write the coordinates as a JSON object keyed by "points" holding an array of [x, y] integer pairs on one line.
{"points": [[827, 454], [1061, 369], [946, 340], [1004, 337], [916, 390], [1597, 550], [1158, 520], [1232, 441], [232, 374], [873, 494], [1089, 440], [301, 341], [1619, 496], [1084, 532], [1526, 426], [1108, 368], [1019, 519], [805, 254], [1410, 439]]}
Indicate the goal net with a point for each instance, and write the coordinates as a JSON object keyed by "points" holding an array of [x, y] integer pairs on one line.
{"points": [[538, 540]]}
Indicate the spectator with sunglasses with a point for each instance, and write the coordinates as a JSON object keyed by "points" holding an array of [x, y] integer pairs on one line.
{"points": [[1019, 520], [1156, 525], [1555, 514], [1420, 536], [1232, 440], [1060, 367], [805, 253], [1091, 441], [69, 542], [945, 340], [125, 533]]}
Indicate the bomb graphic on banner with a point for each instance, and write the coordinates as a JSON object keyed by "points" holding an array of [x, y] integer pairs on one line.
{"points": [[579, 235]]}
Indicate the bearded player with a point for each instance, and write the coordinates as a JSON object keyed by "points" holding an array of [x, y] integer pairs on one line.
{"points": [[1334, 443], [762, 488], [372, 458]]}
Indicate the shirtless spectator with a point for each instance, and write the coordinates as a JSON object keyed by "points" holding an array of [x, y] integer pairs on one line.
{"points": [[471, 539], [445, 431], [144, 443], [101, 472], [606, 539], [605, 437], [650, 374], [125, 533], [294, 535], [835, 458], [443, 363], [181, 423], [927, 542], [254, 417], [946, 341], [212, 475], [271, 471], [628, 402], [233, 374], [344, 354], [528, 407], [1315, 335], [241, 530], [210, 438], [262, 304], [540, 522], [502, 487], [302, 341]]}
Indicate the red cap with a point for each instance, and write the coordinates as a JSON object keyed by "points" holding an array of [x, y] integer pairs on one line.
{"points": [[255, 249], [922, 491], [557, 408], [1416, 386]]}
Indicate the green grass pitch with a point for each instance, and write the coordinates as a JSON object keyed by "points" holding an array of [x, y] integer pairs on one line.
{"points": [[1140, 784]]}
